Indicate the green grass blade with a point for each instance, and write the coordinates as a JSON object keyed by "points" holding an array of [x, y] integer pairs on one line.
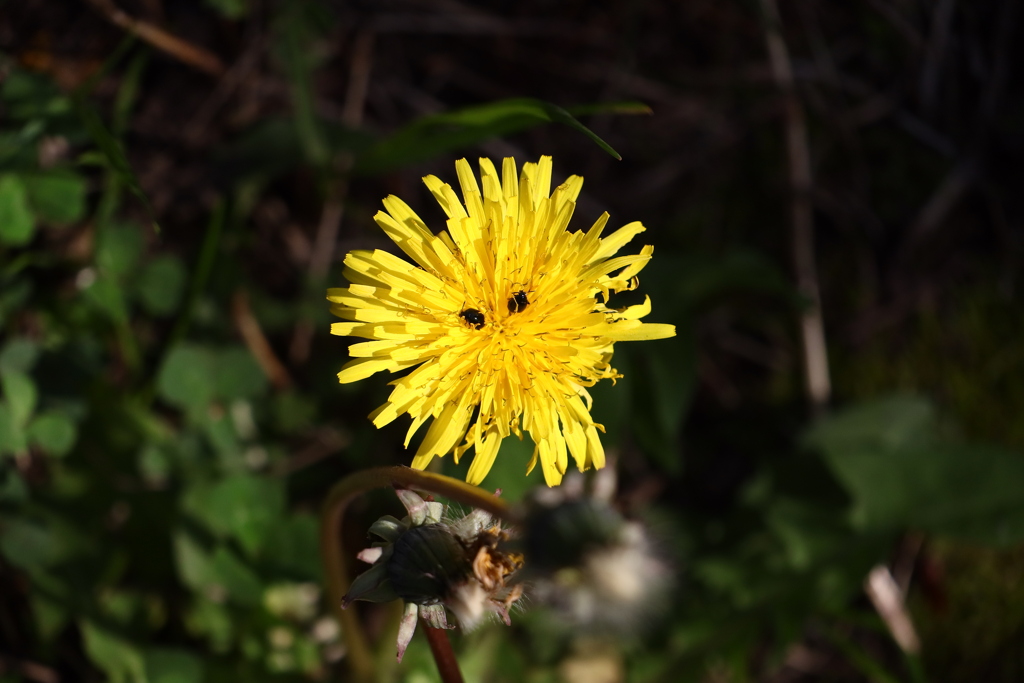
{"points": [[114, 154], [432, 136]]}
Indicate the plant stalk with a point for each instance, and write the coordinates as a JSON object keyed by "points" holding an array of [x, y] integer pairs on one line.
{"points": [[441, 648]]}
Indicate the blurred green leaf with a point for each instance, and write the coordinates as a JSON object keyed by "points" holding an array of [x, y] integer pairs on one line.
{"points": [[241, 582], [166, 665], [891, 456], [21, 395], [673, 371], [211, 620], [28, 545], [238, 374], [120, 606], [273, 146], [54, 432], [613, 403], [670, 379], [12, 297], [16, 146], [32, 96], [161, 285], [18, 355], [12, 486], [12, 434], [230, 9], [218, 574], [432, 136], [292, 544], [886, 424], [698, 278], [508, 472], [293, 412], [16, 220], [243, 507], [195, 566], [188, 377], [221, 434], [121, 660], [726, 575], [154, 465], [193, 376], [807, 532], [50, 617], [107, 295], [56, 196], [118, 248]]}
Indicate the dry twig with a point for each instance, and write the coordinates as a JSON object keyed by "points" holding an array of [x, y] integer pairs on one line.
{"points": [[938, 39], [182, 50], [812, 329], [30, 671], [252, 335], [239, 72], [326, 442], [887, 598]]}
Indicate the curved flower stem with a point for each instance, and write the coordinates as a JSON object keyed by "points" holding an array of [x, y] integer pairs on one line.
{"points": [[333, 558], [444, 656]]}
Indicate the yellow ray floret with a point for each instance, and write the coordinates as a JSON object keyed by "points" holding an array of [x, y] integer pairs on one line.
{"points": [[502, 318]]}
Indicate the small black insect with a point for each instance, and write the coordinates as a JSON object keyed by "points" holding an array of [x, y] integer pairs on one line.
{"points": [[518, 302], [473, 317]]}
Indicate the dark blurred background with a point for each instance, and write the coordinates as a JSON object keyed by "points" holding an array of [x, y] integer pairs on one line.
{"points": [[833, 192]]}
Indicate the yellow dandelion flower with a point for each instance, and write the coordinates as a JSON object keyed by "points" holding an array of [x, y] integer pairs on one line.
{"points": [[502, 319]]}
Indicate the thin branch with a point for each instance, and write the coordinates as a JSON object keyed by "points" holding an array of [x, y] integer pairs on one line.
{"points": [[327, 442], [888, 601], [943, 200], [238, 73], [182, 50], [938, 39], [812, 329], [259, 347], [31, 671]]}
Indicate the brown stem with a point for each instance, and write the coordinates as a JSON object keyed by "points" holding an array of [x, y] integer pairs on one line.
{"points": [[359, 655], [252, 334], [812, 328], [444, 656], [184, 51]]}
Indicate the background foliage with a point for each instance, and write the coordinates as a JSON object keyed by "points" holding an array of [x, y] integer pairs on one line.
{"points": [[170, 419]]}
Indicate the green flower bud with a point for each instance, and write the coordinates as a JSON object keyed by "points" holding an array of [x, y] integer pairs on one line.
{"points": [[433, 565], [426, 563]]}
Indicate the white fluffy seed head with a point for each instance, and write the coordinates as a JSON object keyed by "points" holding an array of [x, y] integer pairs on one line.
{"points": [[615, 588]]}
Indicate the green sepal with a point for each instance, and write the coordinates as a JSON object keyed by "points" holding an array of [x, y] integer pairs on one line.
{"points": [[387, 528], [373, 585]]}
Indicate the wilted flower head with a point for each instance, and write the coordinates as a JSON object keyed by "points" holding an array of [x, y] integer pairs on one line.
{"points": [[431, 564], [503, 319], [595, 568]]}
